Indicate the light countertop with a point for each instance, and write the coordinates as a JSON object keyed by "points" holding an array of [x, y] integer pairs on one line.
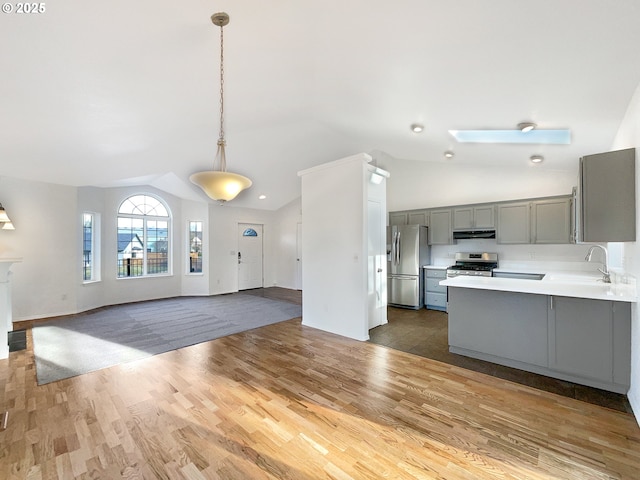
{"points": [[560, 283]]}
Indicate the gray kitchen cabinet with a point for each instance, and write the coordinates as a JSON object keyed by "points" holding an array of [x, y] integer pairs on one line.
{"points": [[473, 217], [398, 218], [435, 294], [514, 223], [503, 325], [409, 217], [551, 221], [590, 338], [418, 217], [607, 199], [440, 227], [580, 340]]}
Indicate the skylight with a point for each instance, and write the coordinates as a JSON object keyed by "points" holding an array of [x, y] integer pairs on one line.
{"points": [[556, 137]]}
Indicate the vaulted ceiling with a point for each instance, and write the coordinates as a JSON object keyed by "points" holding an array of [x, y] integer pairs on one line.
{"points": [[126, 92]]}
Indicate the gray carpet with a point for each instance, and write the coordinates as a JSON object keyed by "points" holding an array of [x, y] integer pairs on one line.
{"points": [[105, 337]]}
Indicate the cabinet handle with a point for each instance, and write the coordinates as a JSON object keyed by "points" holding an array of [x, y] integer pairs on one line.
{"points": [[551, 302]]}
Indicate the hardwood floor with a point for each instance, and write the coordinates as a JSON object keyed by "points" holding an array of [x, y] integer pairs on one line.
{"points": [[424, 332], [290, 402]]}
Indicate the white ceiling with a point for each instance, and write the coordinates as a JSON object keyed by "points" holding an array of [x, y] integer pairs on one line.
{"points": [[125, 92]]}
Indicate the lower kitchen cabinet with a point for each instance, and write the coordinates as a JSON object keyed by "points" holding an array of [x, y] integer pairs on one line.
{"points": [[501, 324], [435, 295], [590, 338], [581, 340]]}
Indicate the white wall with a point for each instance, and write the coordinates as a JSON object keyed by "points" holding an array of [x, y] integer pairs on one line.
{"points": [[334, 248], [560, 257], [415, 184], [223, 233], [195, 283], [124, 290], [90, 200], [48, 237], [46, 220], [629, 136], [285, 233]]}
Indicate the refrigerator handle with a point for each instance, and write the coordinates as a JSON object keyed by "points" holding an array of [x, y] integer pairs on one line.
{"points": [[392, 258], [398, 249], [393, 248]]}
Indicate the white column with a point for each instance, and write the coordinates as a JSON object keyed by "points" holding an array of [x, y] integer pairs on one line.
{"points": [[6, 318]]}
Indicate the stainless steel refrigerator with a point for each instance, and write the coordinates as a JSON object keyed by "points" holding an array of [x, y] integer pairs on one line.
{"points": [[407, 252]]}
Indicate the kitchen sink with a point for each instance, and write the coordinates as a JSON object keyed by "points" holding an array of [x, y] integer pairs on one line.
{"points": [[568, 278], [519, 275]]}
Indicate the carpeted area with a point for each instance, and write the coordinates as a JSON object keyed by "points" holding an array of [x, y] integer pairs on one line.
{"points": [[109, 336]]}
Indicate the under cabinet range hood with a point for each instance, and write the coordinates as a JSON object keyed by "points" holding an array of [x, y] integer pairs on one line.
{"points": [[465, 234]]}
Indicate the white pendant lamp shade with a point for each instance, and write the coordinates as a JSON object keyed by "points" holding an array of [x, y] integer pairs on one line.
{"points": [[219, 184]]}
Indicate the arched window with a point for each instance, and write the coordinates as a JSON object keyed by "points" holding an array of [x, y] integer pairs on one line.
{"points": [[144, 227]]}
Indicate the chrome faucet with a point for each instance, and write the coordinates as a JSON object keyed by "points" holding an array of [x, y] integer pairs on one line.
{"points": [[606, 276]]}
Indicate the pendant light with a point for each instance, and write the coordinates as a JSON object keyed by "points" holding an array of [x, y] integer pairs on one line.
{"points": [[219, 184], [4, 218]]}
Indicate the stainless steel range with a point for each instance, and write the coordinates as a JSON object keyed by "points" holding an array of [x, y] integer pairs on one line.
{"points": [[474, 264]]}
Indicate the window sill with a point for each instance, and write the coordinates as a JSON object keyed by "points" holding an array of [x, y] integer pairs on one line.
{"points": [[138, 277]]}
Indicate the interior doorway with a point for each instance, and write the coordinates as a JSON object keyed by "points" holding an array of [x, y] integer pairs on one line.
{"points": [[299, 256], [250, 259]]}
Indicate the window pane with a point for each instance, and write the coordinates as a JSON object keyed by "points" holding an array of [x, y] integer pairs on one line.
{"points": [[143, 237], [195, 247], [143, 205], [130, 247], [157, 247], [87, 247]]}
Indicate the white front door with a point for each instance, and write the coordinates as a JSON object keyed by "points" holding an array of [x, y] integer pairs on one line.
{"points": [[249, 256]]}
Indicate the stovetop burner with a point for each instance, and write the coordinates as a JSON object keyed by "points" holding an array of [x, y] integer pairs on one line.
{"points": [[478, 264], [472, 267]]}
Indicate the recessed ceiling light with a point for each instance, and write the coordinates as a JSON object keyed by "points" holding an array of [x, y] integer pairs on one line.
{"points": [[448, 154], [417, 128], [262, 197], [526, 126], [536, 158]]}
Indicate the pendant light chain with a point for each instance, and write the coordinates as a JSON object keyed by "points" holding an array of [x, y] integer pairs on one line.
{"points": [[221, 142], [218, 184], [222, 83]]}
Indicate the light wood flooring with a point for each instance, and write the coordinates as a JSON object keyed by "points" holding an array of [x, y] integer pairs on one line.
{"points": [[425, 333], [290, 402]]}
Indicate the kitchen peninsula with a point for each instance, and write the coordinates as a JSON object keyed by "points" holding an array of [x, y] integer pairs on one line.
{"points": [[568, 326]]}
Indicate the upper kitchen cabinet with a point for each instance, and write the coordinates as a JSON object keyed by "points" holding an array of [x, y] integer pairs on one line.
{"points": [[514, 223], [409, 217], [440, 227], [473, 217], [551, 221], [418, 217], [398, 218], [607, 197]]}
